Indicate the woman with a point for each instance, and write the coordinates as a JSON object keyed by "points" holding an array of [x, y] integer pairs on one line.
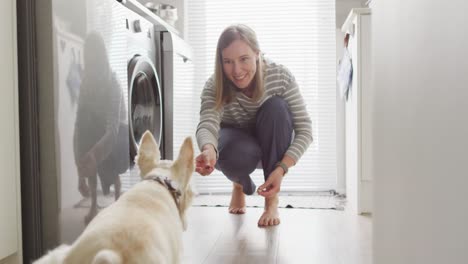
{"points": [[101, 129], [250, 108]]}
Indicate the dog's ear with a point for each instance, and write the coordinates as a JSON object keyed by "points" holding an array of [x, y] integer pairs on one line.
{"points": [[184, 166], [184, 203], [148, 153], [181, 171]]}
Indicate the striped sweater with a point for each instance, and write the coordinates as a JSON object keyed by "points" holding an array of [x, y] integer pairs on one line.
{"points": [[241, 111]]}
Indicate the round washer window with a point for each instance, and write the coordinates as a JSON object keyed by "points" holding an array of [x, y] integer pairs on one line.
{"points": [[145, 101]]}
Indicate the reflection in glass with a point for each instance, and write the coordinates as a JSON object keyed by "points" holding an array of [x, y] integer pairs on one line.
{"points": [[101, 132]]}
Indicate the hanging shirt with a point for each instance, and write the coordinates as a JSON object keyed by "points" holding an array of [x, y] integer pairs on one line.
{"points": [[345, 74]]}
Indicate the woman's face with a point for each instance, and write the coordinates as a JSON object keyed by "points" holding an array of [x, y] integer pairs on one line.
{"points": [[239, 63]]}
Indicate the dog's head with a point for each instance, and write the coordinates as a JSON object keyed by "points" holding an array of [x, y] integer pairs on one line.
{"points": [[180, 170]]}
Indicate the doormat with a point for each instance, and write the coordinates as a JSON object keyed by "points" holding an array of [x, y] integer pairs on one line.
{"points": [[322, 200]]}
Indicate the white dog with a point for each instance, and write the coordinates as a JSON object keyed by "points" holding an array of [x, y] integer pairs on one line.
{"points": [[145, 224]]}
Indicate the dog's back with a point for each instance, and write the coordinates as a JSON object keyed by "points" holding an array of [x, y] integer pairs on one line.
{"points": [[142, 227], [145, 225]]}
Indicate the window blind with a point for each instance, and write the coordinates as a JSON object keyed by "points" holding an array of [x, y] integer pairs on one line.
{"points": [[298, 34]]}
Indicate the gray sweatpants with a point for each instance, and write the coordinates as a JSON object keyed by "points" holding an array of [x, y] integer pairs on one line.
{"points": [[241, 150]]}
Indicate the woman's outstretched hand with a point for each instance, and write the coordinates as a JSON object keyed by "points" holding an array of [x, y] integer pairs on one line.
{"points": [[206, 161], [272, 185]]}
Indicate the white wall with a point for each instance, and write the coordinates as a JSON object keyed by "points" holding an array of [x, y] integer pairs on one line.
{"points": [[10, 215], [421, 131]]}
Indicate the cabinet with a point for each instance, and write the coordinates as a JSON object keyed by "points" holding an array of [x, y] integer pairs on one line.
{"points": [[358, 114]]}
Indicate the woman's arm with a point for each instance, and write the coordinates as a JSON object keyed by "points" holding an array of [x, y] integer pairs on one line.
{"points": [[207, 130], [302, 126], [302, 123]]}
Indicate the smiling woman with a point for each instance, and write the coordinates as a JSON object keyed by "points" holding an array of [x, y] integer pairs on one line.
{"points": [[239, 63], [238, 60], [300, 35], [250, 108]]}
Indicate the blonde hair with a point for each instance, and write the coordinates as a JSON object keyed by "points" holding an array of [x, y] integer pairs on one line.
{"points": [[224, 93]]}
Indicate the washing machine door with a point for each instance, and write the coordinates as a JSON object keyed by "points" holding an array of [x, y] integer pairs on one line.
{"points": [[145, 102]]}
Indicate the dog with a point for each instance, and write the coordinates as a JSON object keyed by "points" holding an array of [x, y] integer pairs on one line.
{"points": [[145, 224]]}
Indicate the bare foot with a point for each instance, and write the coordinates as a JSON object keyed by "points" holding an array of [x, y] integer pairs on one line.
{"points": [[270, 216], [237, 205]]}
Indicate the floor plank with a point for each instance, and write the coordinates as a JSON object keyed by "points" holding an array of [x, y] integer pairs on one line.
{"points": [[304, 236]]}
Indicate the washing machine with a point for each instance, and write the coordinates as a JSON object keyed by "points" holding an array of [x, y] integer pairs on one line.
{"points": [[175, 67], [144, 88], [98, 91]]}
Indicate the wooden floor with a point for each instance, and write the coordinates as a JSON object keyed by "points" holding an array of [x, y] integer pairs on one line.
{"points": [[304, 236]]}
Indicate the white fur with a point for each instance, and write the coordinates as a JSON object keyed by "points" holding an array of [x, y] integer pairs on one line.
{"points": [[107, 256], [54, 256], [144, 225]]}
